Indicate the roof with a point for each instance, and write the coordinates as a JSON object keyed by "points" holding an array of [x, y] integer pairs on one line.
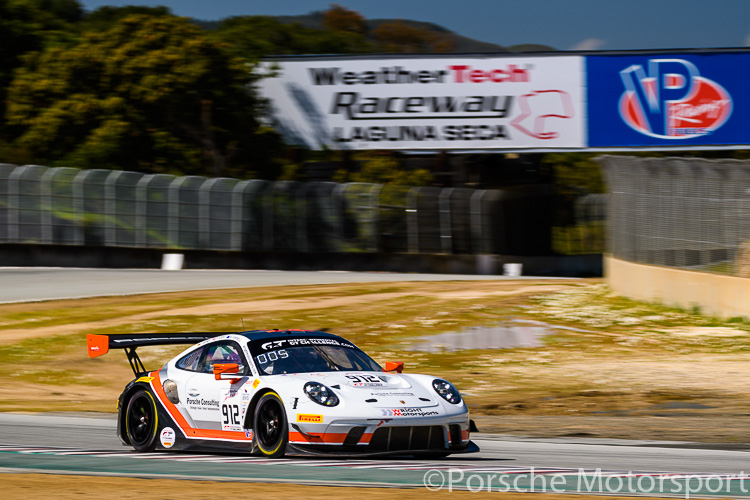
{"points": [[268, 334]]}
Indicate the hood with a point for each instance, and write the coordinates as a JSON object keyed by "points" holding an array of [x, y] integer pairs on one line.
{"points": [[381, 390]]}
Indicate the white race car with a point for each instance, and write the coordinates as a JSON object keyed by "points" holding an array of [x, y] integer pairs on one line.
{"points": [[280, 392]]}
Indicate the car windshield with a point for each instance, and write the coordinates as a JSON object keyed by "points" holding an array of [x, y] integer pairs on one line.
{"points": [[314, 358]]}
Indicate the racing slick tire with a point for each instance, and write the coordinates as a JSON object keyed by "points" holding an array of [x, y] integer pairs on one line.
{"points": [[141, 421], [270, 426]]}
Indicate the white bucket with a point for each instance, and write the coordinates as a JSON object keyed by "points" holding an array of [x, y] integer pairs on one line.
{"points": [[172, 261], [512, 269]]}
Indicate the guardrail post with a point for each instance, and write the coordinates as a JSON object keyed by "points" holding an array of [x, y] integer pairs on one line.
{"points": [[412, 219], [375, 192], [141, 209], [446, 231], [79, 209], [14, 201], [340, 205], [477, 228], [238, 214], [303, 245], [46, 205], [110, 207]]}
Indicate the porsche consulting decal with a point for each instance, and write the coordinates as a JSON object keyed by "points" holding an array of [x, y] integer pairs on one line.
{"points": [[203, 404]]}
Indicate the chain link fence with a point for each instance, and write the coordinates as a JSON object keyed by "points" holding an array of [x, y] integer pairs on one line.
{"points": [[681, 212], [66, 206]]}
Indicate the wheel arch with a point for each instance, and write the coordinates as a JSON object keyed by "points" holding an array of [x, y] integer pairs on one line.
{"points": [[250, 413], [128, 393]]}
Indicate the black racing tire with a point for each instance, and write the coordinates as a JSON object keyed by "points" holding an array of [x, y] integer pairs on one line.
{"points": [[141, 421], [270, 426]]}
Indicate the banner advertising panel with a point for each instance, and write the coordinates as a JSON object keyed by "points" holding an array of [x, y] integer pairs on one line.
{"points": [[678, 100], [439, 102]]}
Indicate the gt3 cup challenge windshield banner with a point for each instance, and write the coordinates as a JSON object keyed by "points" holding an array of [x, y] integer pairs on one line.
{"points": [[674, 100], [430, 103]]}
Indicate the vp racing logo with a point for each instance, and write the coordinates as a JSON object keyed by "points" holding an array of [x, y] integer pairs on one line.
{"points": [[672, 100]]}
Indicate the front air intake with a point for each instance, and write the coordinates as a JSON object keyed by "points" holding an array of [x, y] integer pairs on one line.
{"points": [[408, 438]]}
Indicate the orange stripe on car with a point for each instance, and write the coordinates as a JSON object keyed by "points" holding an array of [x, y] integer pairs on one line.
{"points": [[327, 438], [191, 432]]}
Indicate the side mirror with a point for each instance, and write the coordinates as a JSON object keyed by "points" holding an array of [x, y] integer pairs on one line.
{"points": [[224, 371], [394, 366]]}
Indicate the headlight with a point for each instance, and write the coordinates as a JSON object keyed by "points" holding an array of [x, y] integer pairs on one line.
{"points": [[321, 394], [446, 391]]}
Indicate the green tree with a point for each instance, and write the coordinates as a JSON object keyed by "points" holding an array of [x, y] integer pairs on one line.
{"points": [[339, 18], [252, 37], [398, 37], [151, 94], [106, 17], [30, 25], [381, 167], [576, 173]]}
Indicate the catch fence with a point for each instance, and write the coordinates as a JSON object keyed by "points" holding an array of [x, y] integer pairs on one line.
{"points": [[681, 212], [67, 206]]}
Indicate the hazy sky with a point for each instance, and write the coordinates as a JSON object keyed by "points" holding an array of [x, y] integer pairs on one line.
{"points": [[562, 24]]}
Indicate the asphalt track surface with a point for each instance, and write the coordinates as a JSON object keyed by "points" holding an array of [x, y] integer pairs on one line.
{"points": [[68, 444], [32, 284]]}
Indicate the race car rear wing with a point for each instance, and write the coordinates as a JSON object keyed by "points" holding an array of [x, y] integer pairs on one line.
{"points": [[99, 345]]}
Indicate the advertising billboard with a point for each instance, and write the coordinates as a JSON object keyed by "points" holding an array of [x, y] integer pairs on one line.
{"points": [[674, 100], [439, 102]]}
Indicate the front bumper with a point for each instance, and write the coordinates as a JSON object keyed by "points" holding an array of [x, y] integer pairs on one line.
{"points": [[421, 436]]}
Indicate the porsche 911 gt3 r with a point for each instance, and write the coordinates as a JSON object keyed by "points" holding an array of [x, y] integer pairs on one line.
{"points": [[280, 392]]}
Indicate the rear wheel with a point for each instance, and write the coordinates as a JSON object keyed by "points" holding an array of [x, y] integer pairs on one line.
{"points": [[140, 421], [270, 426]]}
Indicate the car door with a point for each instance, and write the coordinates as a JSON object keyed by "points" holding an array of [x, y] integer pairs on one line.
{"points": [[213, 404]]}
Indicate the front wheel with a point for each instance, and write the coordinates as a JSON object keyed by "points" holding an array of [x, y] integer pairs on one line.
{"points": [[270, 426], [140, 421]]}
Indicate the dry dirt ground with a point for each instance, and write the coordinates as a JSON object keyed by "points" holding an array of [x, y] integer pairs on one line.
{"points": [[473, 291], [43, 487], [18, 393]]}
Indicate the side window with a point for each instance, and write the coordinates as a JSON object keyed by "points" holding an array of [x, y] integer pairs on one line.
{"points": [[191, 362], [223, 352]]}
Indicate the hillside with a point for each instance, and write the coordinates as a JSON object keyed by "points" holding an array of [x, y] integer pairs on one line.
{"points": [[454, 42]]}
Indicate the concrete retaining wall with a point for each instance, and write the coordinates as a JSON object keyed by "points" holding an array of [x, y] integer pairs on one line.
{"points": [[151, 258], [715, 294]]}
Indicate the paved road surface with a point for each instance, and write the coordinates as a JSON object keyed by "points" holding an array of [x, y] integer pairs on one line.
{"points": [[29, 284], [88, 444]]}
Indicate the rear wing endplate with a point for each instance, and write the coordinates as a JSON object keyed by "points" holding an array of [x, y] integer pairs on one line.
{"points": [[99, 345]]}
